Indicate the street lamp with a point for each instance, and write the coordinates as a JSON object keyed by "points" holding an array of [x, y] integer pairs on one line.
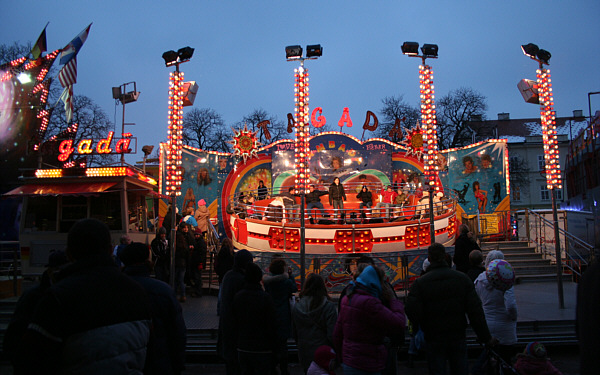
{"points": [[550, 140], [428, 121], [302, 127], [175, 137]]}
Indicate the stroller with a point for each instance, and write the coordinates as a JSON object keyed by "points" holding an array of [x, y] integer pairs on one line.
{"points": [[495, 365]]}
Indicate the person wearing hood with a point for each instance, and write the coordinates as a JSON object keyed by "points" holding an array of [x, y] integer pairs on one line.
{"points": [[368, 315], [313, 319], [201, 215], [280, 285], [166, 348], [233, 281]]}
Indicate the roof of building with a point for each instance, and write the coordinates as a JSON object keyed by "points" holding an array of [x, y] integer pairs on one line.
{"points": [[516, 130]]}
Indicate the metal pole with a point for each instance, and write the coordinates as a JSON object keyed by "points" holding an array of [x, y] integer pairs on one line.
{"points": [[123, 124], [559, 271], [302, 239], [431, 218], [172, 243]]}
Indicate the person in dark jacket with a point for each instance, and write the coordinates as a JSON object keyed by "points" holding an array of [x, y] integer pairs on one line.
{"points": [[281, 286], [365, 197], [588, 321], [161, 255], [475, 264], [368, 314], [224, 261], [439, 302], [313, 200], [232, 283], [93, 320], [166, 349], [262, 192], [337, 196], [197, 261], [254, 324], [182, 256], [313, 318], [463, 247]]}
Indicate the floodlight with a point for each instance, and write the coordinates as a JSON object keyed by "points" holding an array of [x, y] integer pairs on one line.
{"points": [[314, 50], [147, 150], [185, 53], [170, 57], [429, 50], [530, 49], [293, 52], [410, 48], [544, 56]]}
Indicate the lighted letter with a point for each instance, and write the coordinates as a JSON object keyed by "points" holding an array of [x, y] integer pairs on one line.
{"points": [[85, 146], [122, 146], [104, 144], [291, 124], [263, 125], [397, 130], [345, 119], [65, 149], [320, 121], [373, 127]]}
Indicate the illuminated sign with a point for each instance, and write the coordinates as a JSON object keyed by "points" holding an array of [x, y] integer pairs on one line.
{"points": [[86, 146]]}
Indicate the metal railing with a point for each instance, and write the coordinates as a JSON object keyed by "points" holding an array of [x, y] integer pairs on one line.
{"points": [[212, 247], [579, 254]]}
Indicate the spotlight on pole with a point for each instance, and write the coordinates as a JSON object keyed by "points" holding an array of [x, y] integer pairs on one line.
{"points": [[430, 50], [544, 56], [170, 58], [314, 50], [293, 52], [410, 48], [185, 53], [530, 49]]}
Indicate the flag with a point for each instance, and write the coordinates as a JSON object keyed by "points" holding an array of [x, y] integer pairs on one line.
{"points": [[67, 98], [68, 74], [71, 49], [40, 45]]}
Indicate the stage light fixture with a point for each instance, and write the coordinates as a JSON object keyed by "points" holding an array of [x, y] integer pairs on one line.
{"points": [[530, 49], [314, 50], [544, 56], [293, 52], [170, 57], [185, 53], [429, 50], [410, 48]]}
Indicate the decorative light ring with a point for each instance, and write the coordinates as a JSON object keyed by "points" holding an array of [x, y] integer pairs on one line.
{"points": [[245, 143]]}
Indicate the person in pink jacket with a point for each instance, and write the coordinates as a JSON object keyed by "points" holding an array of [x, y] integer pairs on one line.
{"points": [[369, 313]]}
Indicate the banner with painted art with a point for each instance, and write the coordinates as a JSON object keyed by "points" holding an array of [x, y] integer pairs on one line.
{"points": [[478, 176]]}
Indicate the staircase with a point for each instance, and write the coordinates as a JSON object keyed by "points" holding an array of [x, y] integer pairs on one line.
{"points": [[529, 266]]}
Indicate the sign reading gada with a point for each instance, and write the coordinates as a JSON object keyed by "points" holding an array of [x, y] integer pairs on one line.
{"points": [[87, 147]]}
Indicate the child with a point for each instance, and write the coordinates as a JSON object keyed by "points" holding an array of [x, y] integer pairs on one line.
{"points": [[324, 362], [533, 361]]}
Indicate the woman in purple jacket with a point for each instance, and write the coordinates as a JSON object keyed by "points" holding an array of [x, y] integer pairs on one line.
{"points": [[368, 314]]}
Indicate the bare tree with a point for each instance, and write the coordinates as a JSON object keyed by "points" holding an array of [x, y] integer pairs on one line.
{"points": [[519, 174], [220, 140], [201, 128], [276, 128], [395, 109], [14, 51], [454, 111], [93, 122]]}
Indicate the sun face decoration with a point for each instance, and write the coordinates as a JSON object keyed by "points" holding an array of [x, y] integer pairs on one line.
{"points": [[245, 143], [413, 141]]}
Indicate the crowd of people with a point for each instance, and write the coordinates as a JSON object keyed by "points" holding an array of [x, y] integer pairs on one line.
{"points": [[99, 310]]}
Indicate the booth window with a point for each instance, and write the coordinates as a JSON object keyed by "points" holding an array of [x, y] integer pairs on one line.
{"points": [[107, 208], [74, 208], [41, 214]]}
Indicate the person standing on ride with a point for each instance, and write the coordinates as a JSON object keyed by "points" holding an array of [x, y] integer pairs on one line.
{"points": [[337, 196], [387, 200], [368, 315], [262, 192], [313, 199]]}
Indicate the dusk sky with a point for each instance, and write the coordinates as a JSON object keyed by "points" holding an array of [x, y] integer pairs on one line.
{"points": [[239, 61]]}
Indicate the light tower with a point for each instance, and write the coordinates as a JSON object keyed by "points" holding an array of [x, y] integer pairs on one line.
{"points": [[302, 130], [549, 138], [428, 121]]}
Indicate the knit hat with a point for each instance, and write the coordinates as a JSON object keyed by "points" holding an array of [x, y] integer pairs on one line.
{"points": [[201, 202], [500, 274], [324, 355], [535, 349], [242, 258]]}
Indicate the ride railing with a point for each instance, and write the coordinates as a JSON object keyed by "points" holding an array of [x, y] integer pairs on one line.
{"points": [[282, 209], [212, 246], [578, 253]]}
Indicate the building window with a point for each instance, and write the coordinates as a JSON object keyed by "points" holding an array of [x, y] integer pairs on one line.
{"points": [[541, 163], [544, 193], [516, 193]]}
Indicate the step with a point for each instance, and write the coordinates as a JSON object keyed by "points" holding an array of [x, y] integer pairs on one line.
{"points": [[512, 250], [503, 244], [545, 277]]}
